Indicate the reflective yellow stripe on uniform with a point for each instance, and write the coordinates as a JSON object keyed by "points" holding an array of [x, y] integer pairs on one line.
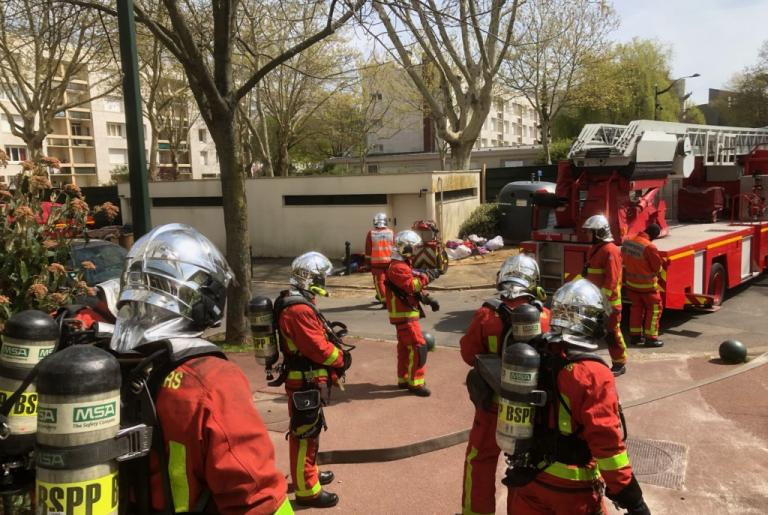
{"points": [[301, 489], [416, 284], [333, 357], [467, 508], [307, 374], [177, 471], [493, 345], [616, 462], [564, 415], [595, 270], [285, 508], [394, 313], [572, 472], [642, 286]]}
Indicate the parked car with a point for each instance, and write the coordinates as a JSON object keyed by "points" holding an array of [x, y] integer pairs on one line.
{"points": [[108, 258]]}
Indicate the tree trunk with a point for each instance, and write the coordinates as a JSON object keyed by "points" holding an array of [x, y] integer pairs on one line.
{"points": [[282, 164], [154, 143], [545, 140], [34, 145], [236, 226], [460, 155]]}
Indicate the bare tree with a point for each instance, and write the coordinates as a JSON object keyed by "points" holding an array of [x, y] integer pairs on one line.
{"points": [[203, 37], [452, 52], [45, 46], [555, 40]]}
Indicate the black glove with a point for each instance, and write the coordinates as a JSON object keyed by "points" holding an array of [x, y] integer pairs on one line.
{"points": [[639, 509], [433, 273], [630, 498], [347, 360], [434, 305]]}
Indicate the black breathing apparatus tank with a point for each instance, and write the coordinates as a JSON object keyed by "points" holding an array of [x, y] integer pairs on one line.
{"points": [[78, 418], [525, 320], [519, 380], [262, 320], [29, 337]]}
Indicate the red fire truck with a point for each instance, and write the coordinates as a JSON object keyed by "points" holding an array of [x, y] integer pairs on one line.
{"points": [[708, 179]]}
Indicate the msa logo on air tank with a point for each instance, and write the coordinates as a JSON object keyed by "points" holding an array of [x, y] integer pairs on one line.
{"points": [[93, 497], [91, 413], [15, 352], [47, 415]]}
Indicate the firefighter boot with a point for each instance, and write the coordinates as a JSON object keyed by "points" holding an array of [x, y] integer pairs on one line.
{"points": [[420, 391], [636, 340], [653, 342], [618, 369], [325, 477], [324, 499]]}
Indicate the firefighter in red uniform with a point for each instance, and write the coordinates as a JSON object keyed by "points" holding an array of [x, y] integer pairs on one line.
{"points": [[603, 268], [581, 424], [517, 281], [642, 266], [405, 293], [311, 361], [378, 253], [215, 453]]}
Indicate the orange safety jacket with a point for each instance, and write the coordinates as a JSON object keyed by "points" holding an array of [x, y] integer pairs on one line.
{"points": [[588, 407], [400, 274], [604, 270], [302, 334], [378, 247], [642, 264], [215, 441]]}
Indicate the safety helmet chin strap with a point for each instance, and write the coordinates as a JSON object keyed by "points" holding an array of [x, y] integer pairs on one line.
{"points": [[319, 290]]}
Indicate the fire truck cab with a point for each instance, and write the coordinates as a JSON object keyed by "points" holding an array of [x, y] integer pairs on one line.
{"points": [[703, 185]]}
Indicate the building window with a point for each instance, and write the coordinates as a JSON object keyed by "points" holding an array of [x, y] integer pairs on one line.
{"points": [[465, 193], [373, 168], [378, 147], [113, 105], [373, 199], [115, 130], [16, 154], [118, 156], [202, 135], [204, 157]]}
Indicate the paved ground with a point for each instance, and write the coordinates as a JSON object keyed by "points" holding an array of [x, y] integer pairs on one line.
{"points": [[710, 443]]}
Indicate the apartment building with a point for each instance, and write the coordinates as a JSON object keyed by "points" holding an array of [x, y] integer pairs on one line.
{"points": [[404, 125], [91, 142]]}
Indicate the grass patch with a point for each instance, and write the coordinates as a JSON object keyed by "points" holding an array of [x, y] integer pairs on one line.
{"points": [[218, 340]]}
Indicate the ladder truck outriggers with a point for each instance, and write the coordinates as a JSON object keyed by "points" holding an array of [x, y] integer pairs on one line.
{"points": [[702, 184]]}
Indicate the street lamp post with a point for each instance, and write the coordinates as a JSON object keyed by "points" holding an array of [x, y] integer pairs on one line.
{"points": [[657, 92]]}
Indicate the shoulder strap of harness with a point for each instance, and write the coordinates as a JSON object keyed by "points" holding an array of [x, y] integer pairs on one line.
{"points": [[139, 392]]}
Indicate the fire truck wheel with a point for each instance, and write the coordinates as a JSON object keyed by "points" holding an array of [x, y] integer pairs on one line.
{"points": [[718, 282]]}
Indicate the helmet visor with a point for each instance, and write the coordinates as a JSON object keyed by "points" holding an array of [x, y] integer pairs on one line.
{"points": [[139, 323]]}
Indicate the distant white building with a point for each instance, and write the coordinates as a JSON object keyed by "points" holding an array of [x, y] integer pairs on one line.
{"points": [[90, 141], [405, 127]]}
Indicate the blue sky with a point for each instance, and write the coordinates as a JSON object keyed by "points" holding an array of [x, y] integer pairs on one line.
{"points": [[715, 38]]}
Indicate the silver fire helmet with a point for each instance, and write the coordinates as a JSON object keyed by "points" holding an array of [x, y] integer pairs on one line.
{"points": [[172, 272], [108, 292], [310, 269], [578, 309], [380, 220], [407, 243], [600, 226], [518, 275]]}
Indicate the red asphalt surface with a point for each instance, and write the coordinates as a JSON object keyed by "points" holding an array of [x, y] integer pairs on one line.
{"points": [[723, 425]]}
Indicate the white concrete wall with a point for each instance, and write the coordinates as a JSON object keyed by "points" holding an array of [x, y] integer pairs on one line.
{"points": [[277, 230]]}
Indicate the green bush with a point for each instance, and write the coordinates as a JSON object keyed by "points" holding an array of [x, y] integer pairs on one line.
{"points": [[484, 221], [558, 150]]}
